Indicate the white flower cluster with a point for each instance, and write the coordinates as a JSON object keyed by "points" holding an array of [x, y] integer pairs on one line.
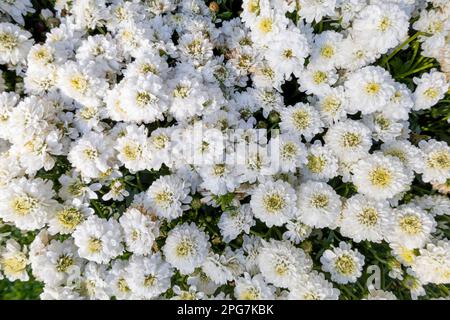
{"points": [[94, 161]]}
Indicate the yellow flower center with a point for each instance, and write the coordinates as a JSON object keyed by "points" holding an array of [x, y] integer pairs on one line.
{"points": [[274, 202], [91, 153], [70, 218], [184, 248], [316, 164], [95, 245], [351, 139], [345, 264], [331, 105], [410, 224], [301, 119], [327, 51], [372, 88], [144, 98], [63, 263], [181, 92], [319, 77], [79, 83], [150, 280], [123, 285], [22, 205], [265, 25], [385, 23], [439, 160], [251, 294], [319, 200], [380, 177], [368, 217], [431, 93], [8, 41], [131, 152]]}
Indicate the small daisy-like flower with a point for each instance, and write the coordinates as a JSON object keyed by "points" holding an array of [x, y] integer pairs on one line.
{"points": [[280, 262], [27, 203], [301, 119], [369, 89], [148, 277], [233, 223], [253, 288], [273, 202], [381, 177], [411, 226], [322, 164], [140, 231], [15, 44], [168, 196], [67, 218], [431, 87], [14, 261], [297, 231], [365, 219], [343, 263], [349, 140], [186, 247], [318, 204], [313, 286], [98, 239], [432, 266], [437, 161]]}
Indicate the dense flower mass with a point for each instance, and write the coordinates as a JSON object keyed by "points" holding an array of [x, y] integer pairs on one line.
{"points": [[175, 150]]}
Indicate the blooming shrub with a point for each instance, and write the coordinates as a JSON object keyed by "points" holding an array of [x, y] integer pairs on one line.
{"points": [[267, 149]]}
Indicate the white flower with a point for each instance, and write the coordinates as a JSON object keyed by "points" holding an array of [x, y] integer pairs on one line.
{"points": [[253, 288], [273, 202], [14, 261], [411, 226], [186, 247], [281, 263], [325, 49], [369, 89], [80, 84], [343, 263], [312, 10], [437, 161], [140, 231], [27, 203], [318, 204], [225, 267], [432, 266], [381, 177], [168, 196], [92, 154], [375, 294], [14, 44], [301, 119], [66, 218], [431, 87], [408, 154], [98, 239], [297, 231], [148, 277], [313, 286], [117, 284], [322, 164], [232, 223], [365, 219], [350, 140], [17, 9], [381, 26], [59, 264]]}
